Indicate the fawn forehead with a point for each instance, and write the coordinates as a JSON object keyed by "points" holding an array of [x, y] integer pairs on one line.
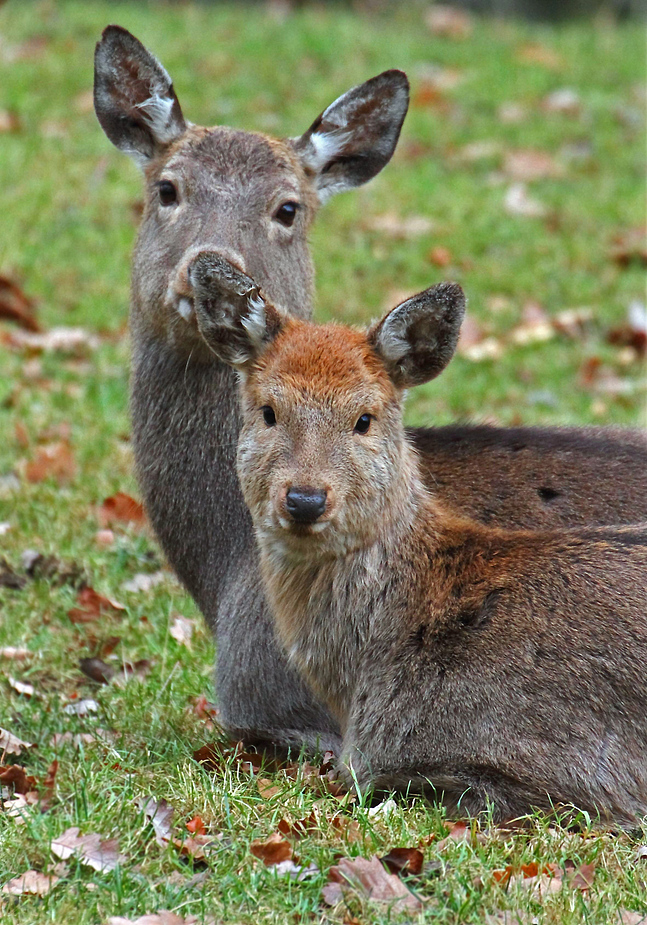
{"points": [[234, 156], [329, 363]]}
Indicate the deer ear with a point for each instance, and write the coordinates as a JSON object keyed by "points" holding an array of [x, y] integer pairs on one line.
{"points": [[417, 339], [134, 97], [352, 140], [233, 317]]}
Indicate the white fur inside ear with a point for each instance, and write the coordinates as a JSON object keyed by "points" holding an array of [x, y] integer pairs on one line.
{"points": [[157, 112], [254, 321], [392, 337], [325, 147]]}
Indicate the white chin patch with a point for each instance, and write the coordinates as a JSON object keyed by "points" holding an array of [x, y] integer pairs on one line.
{"points": [[185, 308]]}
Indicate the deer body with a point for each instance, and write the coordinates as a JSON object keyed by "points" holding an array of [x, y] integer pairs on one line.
{"points": [[222, 190], [494, 666]]}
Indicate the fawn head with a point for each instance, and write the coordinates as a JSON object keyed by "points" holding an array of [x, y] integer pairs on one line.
{"points": [[322, 455], [241, 193]]}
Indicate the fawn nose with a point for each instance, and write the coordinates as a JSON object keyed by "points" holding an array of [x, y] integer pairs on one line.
{"points": [[305, 505]]}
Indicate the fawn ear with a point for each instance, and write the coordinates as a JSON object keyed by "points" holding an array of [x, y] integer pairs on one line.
{"points": [[352, 140], [417, 339], [233, 317], [134, 97]]}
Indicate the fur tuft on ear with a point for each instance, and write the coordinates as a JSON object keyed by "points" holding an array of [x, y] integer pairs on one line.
{"points": [[354, 138], [417, 339], [233, 317], [134, 97]]}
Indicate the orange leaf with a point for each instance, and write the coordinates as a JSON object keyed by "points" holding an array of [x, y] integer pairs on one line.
{"points": [[272, 851], [55, 460], [196, 826], [121, 508]]}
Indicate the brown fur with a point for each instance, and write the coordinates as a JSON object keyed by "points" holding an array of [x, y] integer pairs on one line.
{"points": [[230, 183], [490, 666]]}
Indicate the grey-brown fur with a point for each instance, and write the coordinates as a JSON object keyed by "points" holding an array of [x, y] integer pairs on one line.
{"points": [[492, 666], [181, 431]]}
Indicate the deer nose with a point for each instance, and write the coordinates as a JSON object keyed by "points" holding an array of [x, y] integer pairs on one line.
{"points": [[305, 505]]}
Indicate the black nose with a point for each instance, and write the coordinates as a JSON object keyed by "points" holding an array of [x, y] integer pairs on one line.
{"points": [[305, 505]]}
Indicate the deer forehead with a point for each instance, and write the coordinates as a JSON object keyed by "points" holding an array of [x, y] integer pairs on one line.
{"points": [[327, 365], [234, 157]]}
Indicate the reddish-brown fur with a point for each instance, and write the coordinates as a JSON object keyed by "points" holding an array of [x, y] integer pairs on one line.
{"points": [[491, 666]]}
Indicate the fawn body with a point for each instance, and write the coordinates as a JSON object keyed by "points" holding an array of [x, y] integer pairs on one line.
{"points": [[254, 198], [495, 666]]}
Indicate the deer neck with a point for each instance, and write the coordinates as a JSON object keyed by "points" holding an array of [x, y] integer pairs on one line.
{"points": [[326, 609]]}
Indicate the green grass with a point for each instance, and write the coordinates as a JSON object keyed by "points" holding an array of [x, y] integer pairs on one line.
{"points": [[67, 227]]}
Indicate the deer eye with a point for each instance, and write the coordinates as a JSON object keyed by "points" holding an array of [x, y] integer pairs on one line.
{"points": [[363, 424], [167, 192], [268, 415], [286, 213]]}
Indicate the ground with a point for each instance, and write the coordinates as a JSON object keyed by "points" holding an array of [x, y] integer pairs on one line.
{"points": [[520, 174]]}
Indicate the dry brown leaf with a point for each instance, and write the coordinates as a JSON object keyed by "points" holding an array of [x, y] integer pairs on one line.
{"points": [[9, 121], [15, 305], [267, 788], [55, 461], [159, 918], [21, 687], [76, 341], [90, 850], [404, 860], [633, 333], [9, 578], [440, 256], [582, 878], [630, 247], [91, 606], [526, 164], [395, 226], [15, 654], [534, 53], [565, 101], [121, 509], [11, 744], [449, 22], [160, 814], [182, 629], [299, 828], [632, 918], [15, 776], [370, 879], [31, 883], [215, 757], [274, 850], [144, 581]]}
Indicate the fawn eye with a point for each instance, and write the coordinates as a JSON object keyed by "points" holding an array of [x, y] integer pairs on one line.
{"points": [[363, 424], [167, 192], [286, 213], [268, 415]]}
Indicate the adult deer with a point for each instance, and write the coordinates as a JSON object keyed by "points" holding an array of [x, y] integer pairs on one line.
{"points": [[496, 666], [254, 197]]}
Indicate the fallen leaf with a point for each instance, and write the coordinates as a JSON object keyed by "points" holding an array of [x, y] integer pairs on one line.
{"points": [[573, 321], [565, 101], [215, 757], [370, 879], [90, 850], [632, 918], [512, 113], [9, 578], [159, 918], [299, 828], [440, 256], [15, 654], [81, 707], [16, 306], [582, 878], [21, 687], [634, 332], [449, 22], [57, 340], [630, 247], [182, 629], [526, 164], [273, 850], [196, 826], [31, 883], [97, 670], [11, 744], [16, 777], [92, 606], [121, 509], [382, 810], [404, 860], [51, 568], [9, 122], [267, 788], [144, 582], [518, 202], [160, 814], [395, 226], [54, 460], [534, 53]]}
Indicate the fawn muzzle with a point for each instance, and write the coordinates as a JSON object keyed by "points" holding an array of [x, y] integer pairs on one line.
{"points": [[305, 505]]}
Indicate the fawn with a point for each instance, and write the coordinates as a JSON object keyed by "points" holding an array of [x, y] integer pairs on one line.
{"points": [[501, 667], [254, 198]]}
